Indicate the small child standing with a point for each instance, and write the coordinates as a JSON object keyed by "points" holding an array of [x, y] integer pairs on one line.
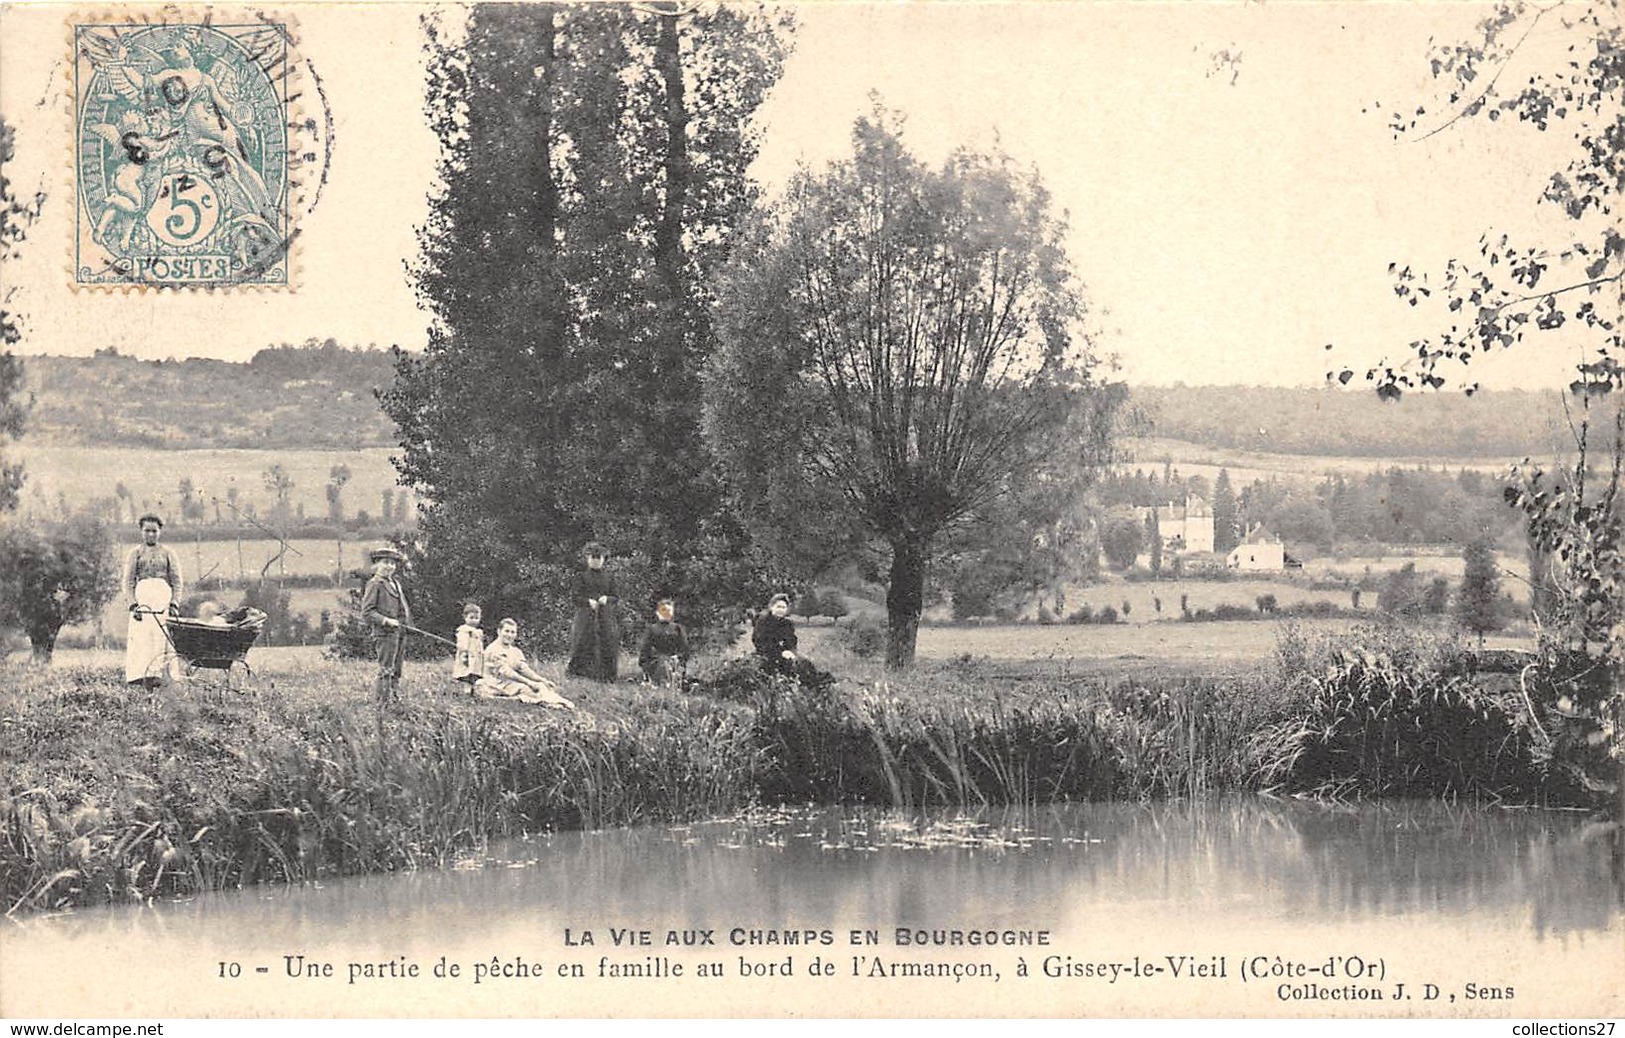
{"points": [[469, 664]]}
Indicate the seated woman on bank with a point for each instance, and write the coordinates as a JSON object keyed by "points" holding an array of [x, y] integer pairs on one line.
{"points": [[663, 654], [774, 638], [508, 676]]}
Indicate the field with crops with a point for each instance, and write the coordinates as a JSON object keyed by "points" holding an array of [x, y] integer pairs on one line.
{"points": [[1196, 459], [83, 476]]}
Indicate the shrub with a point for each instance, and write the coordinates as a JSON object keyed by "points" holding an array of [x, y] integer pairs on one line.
{"points": [[1387, 712], [977, 583], [1266, 603], [1107, 615], [1401, 594], [1320, 608], [1437, 597], [1081, 615], [736, 679], [953, 745], [1121, 542], [192, 795], [1220, 612], [833, 603], [864, 637]]}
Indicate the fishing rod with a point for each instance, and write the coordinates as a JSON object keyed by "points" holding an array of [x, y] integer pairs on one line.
{"points": [[406, 627], [428, 634]]}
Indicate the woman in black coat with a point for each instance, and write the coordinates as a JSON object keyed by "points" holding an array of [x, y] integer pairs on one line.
{"points": [[663, 653], [774, 637], [595, 635]]}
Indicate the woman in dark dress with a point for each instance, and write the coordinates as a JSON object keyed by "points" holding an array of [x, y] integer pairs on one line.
{"points": [[663, 654], [774, 637], [595, 636]]}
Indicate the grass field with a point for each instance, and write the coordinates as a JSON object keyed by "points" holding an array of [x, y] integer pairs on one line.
{"points": [[1200, 594], [85, 474], [1220, 648], [1440, 562], [82, 475], [1195, 459], [247, 559]]}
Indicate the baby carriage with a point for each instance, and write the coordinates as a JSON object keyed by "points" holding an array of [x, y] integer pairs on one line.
{"points": [[216, 644]]}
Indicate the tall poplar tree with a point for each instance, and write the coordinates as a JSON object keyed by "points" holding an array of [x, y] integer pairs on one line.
{"points": [[1226, 515], [593, 171]]}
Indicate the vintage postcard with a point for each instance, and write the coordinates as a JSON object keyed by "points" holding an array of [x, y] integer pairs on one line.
{"points": [[833, 509]]}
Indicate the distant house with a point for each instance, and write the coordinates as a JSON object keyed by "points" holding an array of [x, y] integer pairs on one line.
{"points": [[1260, 551], [1187, 527]]}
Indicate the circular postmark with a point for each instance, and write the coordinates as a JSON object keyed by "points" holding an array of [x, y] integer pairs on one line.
{"points": [[194, 155]]}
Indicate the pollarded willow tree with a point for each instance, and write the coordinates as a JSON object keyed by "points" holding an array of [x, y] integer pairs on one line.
{"points": [[901, 349], [593, 173]]}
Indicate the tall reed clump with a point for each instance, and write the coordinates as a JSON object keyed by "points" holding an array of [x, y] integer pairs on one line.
{"points": [[931, 741], [657, 757], [1191, 736], [1390, 711], [960, 738]]}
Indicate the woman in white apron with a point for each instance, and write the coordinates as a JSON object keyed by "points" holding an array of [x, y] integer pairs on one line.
{"points": [[152, 582]]}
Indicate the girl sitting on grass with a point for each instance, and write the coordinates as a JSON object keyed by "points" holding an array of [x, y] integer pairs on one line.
{"points": [[508, 676]]}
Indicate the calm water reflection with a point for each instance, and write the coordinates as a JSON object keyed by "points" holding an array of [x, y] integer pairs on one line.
{"points": [[1521, 883]]}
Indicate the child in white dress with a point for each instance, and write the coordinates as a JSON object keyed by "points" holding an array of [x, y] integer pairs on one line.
{"points": [[468, 666]]}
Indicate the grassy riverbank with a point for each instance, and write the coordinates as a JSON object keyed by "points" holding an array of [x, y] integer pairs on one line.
{"points": [[114, 795]]}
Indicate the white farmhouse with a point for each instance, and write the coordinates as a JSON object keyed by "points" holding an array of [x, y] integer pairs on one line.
{"points": [[1187, 527], [1259, 551]]}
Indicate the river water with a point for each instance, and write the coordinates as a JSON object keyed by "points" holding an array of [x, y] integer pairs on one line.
{"points": [[1247, 907]]}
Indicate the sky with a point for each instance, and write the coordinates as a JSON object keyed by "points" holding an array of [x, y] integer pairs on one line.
{"points": [[1228, 218]]}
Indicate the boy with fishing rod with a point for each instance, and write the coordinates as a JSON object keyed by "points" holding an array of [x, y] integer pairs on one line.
{"points": [[385, 608]]}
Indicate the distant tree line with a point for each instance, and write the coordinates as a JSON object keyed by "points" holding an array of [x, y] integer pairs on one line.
{"points": [[200, 402], [235, 514], [1342, 423], [1396, 506]]}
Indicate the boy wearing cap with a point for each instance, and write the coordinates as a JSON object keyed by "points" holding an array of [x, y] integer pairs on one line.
{"points": [[384, 606]]}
